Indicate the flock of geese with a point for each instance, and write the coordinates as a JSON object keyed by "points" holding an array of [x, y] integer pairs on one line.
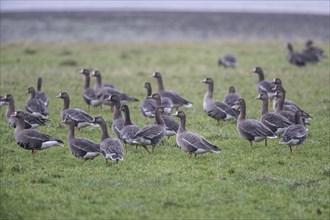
{"points": [[288, 120]]}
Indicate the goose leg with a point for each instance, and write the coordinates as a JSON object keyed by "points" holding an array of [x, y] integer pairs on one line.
{"points": [[146, 148], [190, 155], [250, 143], [34, 152], [265, 142], [153, 149], [290, 148]]}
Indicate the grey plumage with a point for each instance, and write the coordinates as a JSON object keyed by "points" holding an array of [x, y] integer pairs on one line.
{"points": [[227, 61], [214, 108], [81, 119], [40, 94], [118, 120], [148, 105], [127, 133], [35, 106], [82, 148], [191, 142], [299, 59], [315, 52], [264, 86], [176, 99], [250, 129], [31, 139]]}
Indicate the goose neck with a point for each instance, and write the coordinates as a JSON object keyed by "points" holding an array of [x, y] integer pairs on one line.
{"points": [[264, 106], [39, 84], [160, 84]]}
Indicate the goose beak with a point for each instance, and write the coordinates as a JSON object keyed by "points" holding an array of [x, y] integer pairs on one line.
{"points": [[92, 73], [257, 97], [58, 96], [27, 92], [154, 74], [253, 70], [175, 114], [203, 81], [13, 115]]}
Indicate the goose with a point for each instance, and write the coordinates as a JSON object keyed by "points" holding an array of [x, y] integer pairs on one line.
{"points": [[35, 106], [231, 97], [176, 99], [251, 129], [313, 51], [100, 89], [151, 134], [31, 139], [276, 122], [263, 86], [171, 127], [299, 59], [82, 148], [40, 94], [148, 105], [111, 148], [129, 129], [30, 121], [117, 121], [296, 133], [214, 108], [228, 61], [80, 118], [88, 93], [191, 142]]}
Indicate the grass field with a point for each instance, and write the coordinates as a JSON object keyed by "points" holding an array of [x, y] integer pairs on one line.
{"points": [[239, 183]]}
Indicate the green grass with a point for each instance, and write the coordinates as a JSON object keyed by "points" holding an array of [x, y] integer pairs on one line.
{"points": [[241, 182]]}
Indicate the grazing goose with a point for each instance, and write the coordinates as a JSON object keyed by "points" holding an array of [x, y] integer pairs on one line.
{"points": [[313, 51], [276, 122], [40, 94], [250, 129], [111, 148], [88, 93], [129, 130], [298, 59], [263, 86], [171, 127], [176, 99], [151, 134], [30, 121], [148, 105], [117, 121], [31, 139], [80, 118], [228, 61], [35, 106], [231, 97], [100, 89], [296, 133], [216, 109], [82, 148], [191, 142]]}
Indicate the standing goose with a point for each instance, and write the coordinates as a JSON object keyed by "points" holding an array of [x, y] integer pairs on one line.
{"points": [[100, 89], [176, 99], [31, 139], [276, 122], [30, 121], [231, 97], [80, 118], [263, 86], [191, 142], [227, 61], [117, 121], [82, 148], [148, 105], [35, 106], [250, 129], [111, 148], [296, 133], [214, 108], [171, 127], [129, 130], [88, 93], [151, 134], [40, 94]]}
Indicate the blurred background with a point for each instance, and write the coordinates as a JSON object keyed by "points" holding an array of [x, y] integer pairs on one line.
{"points": [[71, 21]]}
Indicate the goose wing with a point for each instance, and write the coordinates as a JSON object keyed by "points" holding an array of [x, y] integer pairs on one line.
{"points": [[86, 145]]}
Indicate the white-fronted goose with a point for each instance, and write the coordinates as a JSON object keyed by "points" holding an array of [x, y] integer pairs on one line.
{"points": [[82, 148], [214, 108], [299, 59], [263, 86], [151, 134], [191, 142], [276, 122], [31, 139], [313, 51], [148, 105], [80, 118], [129, 130], [250, 129], [111, 148], [30, 121], [176, 99], [35, 106], [170, 123], [231, 97], [88, 93], [100, 89], [296, 133], [40, 94], [117, 121], [227, 61]]}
